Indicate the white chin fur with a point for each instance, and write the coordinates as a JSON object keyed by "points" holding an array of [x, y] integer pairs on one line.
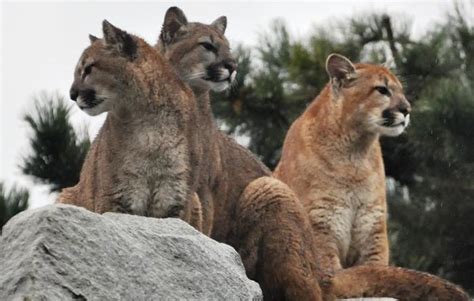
{"points": [[407, 120], [219, 87], [94, 111], [391, 131]]}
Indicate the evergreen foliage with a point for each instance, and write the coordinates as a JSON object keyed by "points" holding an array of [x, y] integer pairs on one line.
{"points": [[11, 202], [57, 150]]}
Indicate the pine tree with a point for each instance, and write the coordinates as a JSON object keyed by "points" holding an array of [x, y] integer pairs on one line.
{"points": [[433, 228], [57, 150], [11, 202]]}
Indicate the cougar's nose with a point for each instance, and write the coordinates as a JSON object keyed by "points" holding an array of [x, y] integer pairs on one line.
{"points": [[73, 93], [405, 108], [230, 65]]}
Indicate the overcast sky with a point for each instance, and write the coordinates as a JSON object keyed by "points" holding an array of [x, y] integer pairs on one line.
{"points": [[41, 43]]}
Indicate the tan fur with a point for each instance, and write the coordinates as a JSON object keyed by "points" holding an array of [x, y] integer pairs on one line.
{"points": [[192, 213], [160, 143], [264, 223], [332, 160], [139, 161]]}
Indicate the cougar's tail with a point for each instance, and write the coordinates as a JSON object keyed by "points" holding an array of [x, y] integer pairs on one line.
{"points": [[273, 236], [399, 283]]}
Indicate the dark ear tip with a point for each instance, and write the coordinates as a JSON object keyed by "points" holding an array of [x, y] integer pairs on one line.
{"points": [[334, 56], [174, 13], [174, 9], [106, 26], [338, 66], [330, 58], [93, 38], [220, 23], [109, 27]]}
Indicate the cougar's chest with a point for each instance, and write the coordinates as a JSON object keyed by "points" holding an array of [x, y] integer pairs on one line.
{"points": [[367, 201], [155, 169], [348, 211]]}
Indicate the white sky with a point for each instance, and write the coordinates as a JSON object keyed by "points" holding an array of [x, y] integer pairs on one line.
{"points": [[41, 43]]}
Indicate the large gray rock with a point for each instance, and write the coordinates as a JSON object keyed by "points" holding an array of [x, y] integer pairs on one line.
{"points": [[61, 252]]}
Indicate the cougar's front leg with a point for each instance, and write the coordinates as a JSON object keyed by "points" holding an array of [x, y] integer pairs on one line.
{"points": [[169, 186], [331, 227], [160, 196], [272, 234], [370, 235], [169, 198]]}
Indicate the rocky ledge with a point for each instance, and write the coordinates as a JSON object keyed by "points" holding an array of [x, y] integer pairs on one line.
{"points": [[62, 252]]}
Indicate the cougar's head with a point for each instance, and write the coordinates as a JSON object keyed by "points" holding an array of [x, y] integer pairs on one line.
{"points": [[370, 94], [103, 77], [199, 53]]}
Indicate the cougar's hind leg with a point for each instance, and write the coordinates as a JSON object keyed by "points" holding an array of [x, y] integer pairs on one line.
{"points": [[273, 237], [398, 283], [192, 212]]}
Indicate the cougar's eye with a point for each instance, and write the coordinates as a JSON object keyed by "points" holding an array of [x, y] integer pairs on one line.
{"points": [[87, 70], [383, 90], [208, 46]]}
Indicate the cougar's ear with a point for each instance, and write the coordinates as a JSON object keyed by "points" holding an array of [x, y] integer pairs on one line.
{"points": [[339, 68], [220, 24], [93, 38], [119, 39], [174, 20]]}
